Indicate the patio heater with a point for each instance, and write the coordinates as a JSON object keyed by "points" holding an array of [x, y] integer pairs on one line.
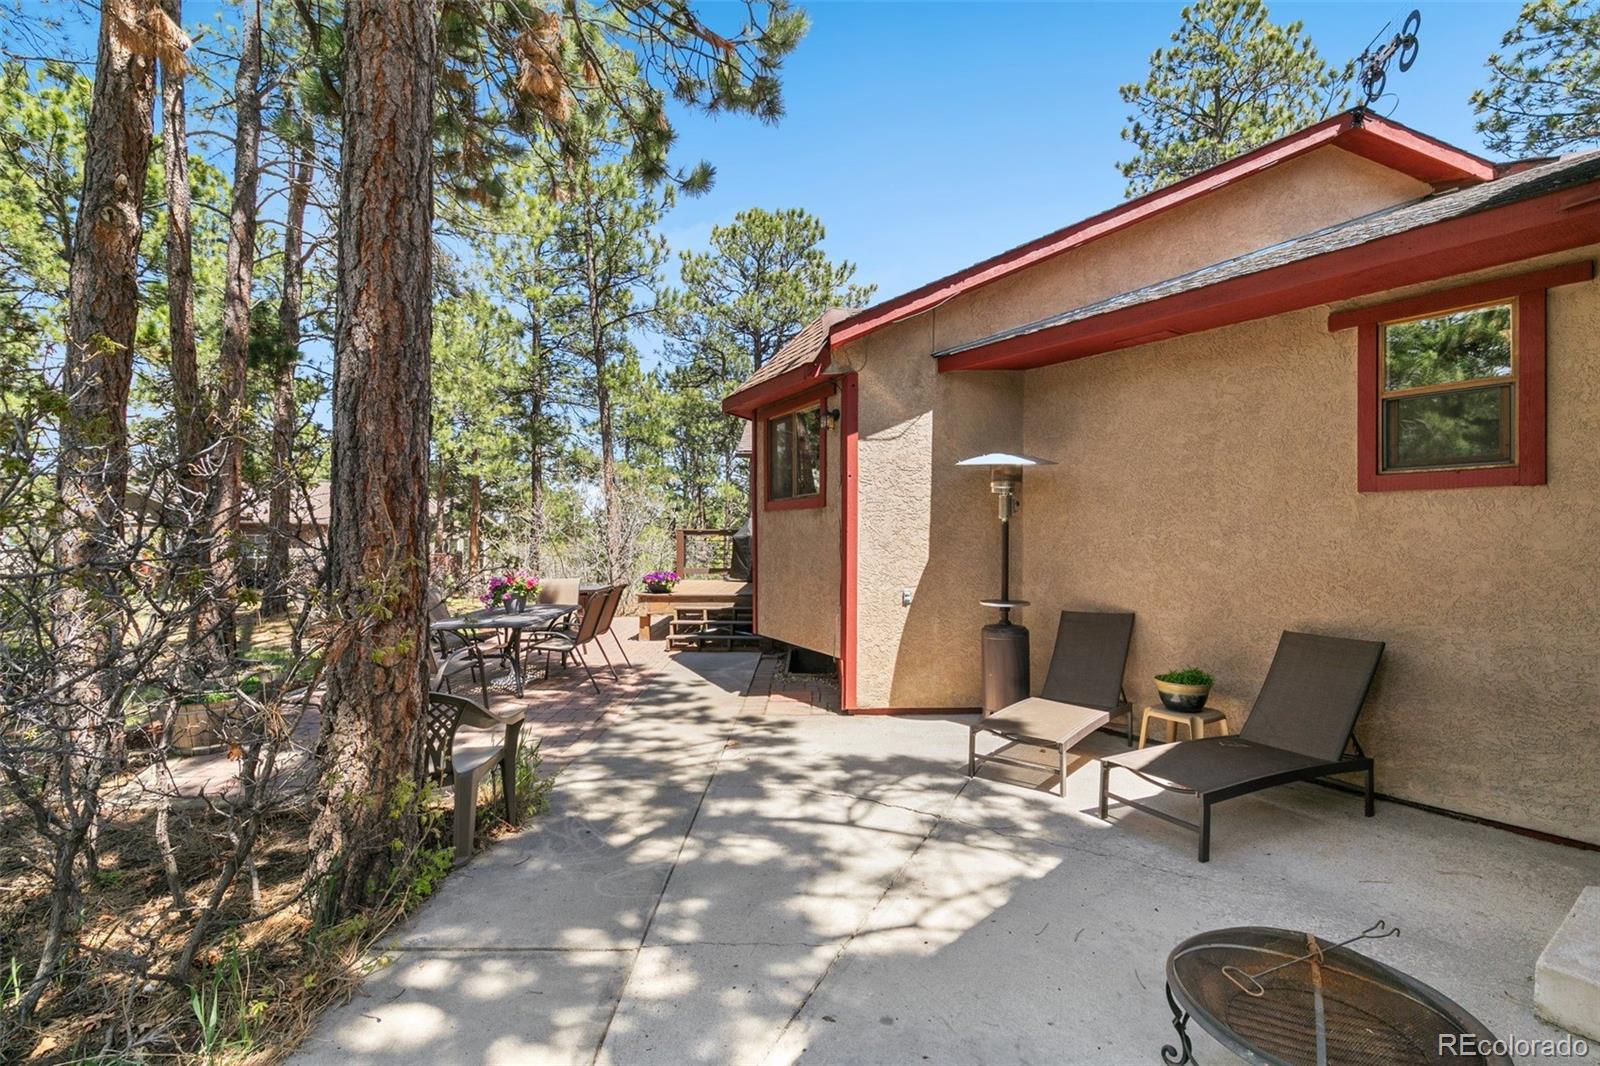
{"points": [[1005, 644]]}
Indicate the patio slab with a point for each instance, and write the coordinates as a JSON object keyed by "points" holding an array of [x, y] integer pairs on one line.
{"points": [[828, 889]]}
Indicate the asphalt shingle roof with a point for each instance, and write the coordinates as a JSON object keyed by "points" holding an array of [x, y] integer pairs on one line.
{"points": [[1439, 207], [804, 347]]}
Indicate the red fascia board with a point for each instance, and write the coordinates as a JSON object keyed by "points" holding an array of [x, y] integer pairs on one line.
{"points": [[790, 383], [1424, 158], [1384, 142], [1542, 226]]}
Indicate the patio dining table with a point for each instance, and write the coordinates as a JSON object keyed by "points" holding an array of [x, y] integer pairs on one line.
{"points": [[514, 623]]}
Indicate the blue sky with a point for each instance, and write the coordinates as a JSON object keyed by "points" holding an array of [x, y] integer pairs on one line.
{"points": [[927, 136]]}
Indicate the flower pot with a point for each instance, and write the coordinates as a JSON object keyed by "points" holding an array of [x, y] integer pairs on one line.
{"points": [[657, 587], [1182, 697]]}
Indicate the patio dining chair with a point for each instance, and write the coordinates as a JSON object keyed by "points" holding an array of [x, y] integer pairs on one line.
{"points": [[604, 627], [572, 641], [1082, 689], [558, 590], [1301, 728], [444, 668], [462, 743]]}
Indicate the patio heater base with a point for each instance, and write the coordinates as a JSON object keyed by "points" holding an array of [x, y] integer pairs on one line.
{"points": [[1005, 665]]}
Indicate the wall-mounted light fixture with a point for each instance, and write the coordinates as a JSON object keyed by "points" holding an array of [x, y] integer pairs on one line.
{"points": [[1005, 645], [833, 416]]}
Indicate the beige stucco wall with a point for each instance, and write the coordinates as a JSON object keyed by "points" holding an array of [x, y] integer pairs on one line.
{"points": [[1209, 485], [925, 525], [797, 560], [1300, 196]]}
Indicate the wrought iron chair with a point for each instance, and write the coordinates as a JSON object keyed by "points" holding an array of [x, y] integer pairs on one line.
{"points": [[448, 665], [461, 744]]}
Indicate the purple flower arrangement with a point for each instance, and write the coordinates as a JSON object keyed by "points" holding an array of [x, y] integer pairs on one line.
{"points": [[507, 590], [660, 580]]}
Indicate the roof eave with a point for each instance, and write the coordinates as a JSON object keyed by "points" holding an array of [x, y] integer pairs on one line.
{"points": [[1543, 225], [748, 400]]}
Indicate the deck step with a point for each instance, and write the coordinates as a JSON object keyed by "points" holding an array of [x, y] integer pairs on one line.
{"points": [[1566, 979]]}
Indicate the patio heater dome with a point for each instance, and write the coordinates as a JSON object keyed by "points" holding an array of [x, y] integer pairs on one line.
{"points": [[1005, 644]]}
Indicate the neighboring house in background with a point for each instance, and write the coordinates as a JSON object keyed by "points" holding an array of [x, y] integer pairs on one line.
{"points": [[1346, 383], [308, 531]]}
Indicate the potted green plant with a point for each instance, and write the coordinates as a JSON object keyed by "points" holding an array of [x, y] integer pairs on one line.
{"points": [[1184, 690]]}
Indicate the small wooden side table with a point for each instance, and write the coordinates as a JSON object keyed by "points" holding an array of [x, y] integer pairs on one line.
{"points": [[1195, 720]]}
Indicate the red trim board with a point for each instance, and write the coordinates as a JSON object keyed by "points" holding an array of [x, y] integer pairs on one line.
{"points": [[849, 487]]}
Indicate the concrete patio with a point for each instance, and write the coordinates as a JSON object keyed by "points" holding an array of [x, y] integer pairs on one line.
{"points": [[727, 877]]}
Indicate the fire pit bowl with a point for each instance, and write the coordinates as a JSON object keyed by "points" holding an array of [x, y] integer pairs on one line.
{"points": [[1279, 996]]}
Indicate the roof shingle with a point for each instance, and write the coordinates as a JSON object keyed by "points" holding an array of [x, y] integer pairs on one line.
{"points": [[1440, 207], [804, 347]]}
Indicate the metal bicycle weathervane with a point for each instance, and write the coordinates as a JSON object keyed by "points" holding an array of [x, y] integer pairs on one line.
{"points": [[1372, 65]]}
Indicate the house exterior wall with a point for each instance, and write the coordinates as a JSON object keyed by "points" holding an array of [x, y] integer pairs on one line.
{"points": [[1208, 484], [798, 555], [927, 526]]}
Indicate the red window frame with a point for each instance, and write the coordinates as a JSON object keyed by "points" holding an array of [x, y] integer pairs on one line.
{"points": [[817, 398], [1526, 292]]}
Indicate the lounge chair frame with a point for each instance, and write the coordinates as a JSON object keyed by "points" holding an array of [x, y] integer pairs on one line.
{"points": [[1311, 765], [1082, 689]]}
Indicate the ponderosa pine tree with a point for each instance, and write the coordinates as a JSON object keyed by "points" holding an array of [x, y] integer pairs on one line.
{"points": [[378, 550], [608, 255], [102, 320], [1231, 81], [285, 408], [1543, 95], [214, 620], [510, 73]]}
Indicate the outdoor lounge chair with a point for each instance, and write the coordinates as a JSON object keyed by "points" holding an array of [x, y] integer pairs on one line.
{"points": [[1081, 691], [1298, 730], [461, 744]]}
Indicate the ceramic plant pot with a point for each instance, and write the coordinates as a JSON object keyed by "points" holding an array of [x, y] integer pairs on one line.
{"points": [[1182, 697]]}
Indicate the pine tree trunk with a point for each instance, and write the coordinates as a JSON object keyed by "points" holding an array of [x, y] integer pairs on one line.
{"points": [[603, 412], [102, 316], [474, 518], [188, 404], [378, 547], [285, 411], [536, 456], [215, 622]]}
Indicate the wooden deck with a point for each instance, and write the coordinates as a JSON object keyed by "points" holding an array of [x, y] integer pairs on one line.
{"points": [[706, 612]]}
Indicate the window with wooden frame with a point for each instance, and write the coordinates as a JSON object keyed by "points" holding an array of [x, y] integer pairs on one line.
{"points": [[796, 462], [1450, 385]]}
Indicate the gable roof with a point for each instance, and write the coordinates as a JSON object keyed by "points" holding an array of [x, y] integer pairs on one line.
{"points": [[802, 360], [1380, 140], [1191, 302]]}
